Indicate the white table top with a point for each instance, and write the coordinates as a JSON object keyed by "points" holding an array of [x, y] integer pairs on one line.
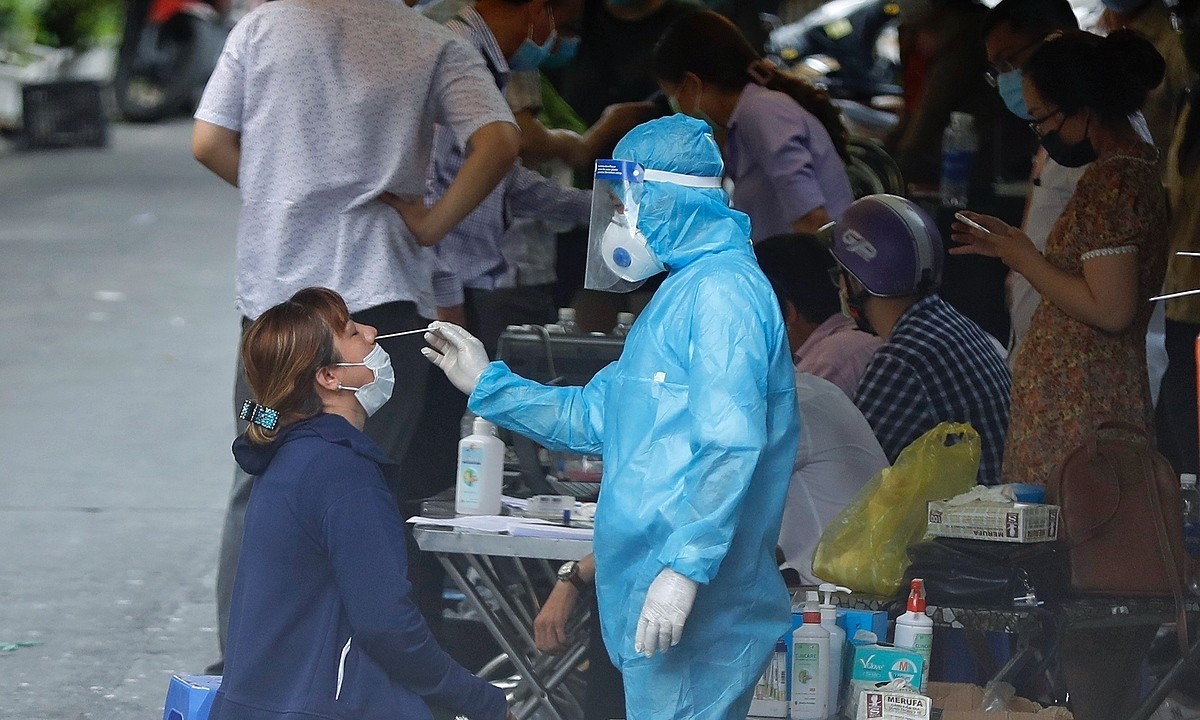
{"points": [[439, 539]]}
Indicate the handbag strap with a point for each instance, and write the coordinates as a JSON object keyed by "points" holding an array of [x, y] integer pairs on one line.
{"points": [[1116, 425], [1174, 578]]}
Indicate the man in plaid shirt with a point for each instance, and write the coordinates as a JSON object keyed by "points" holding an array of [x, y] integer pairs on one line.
{"points": [[935, 365]]}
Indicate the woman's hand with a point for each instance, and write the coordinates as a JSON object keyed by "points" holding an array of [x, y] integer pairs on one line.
{"points": [[414, 214], [999, 240], [550, 626]]}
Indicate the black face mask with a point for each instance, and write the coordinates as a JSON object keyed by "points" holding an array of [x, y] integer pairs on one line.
{"points": [[1071, 155], [856, 305]]}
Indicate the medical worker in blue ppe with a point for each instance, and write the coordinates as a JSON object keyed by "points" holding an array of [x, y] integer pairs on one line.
{"points": [[696, 422]]}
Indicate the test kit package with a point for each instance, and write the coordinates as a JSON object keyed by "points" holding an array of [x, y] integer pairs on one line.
{"points": [[893, 704], [875, 665], [1017, 523], [190, 697]]}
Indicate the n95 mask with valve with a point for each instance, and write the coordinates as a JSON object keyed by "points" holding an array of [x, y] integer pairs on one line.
{"points": [[620, 258]]}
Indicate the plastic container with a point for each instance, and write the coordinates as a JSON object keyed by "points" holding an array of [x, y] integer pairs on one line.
{"points": [[624, 322], [914, 629], [480, 471], [810, 665], [566, 322], [959, 145], [1191, 528], [837, 643]]}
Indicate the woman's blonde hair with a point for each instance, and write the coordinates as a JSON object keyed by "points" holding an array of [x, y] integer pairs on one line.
{"points": [[283, 350]]}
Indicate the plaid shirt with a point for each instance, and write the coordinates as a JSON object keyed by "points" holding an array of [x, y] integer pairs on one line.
{"points": [[470, 256], [937, 366]]}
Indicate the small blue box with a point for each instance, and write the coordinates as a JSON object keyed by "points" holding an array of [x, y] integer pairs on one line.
{"points": [[190, 697]]}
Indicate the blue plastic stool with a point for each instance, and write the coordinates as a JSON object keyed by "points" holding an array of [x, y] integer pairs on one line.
{"points": [[190, 697]]}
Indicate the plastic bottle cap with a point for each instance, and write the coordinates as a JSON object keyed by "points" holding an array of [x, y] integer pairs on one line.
{"points": [[1187, 480], [483, 427], [916, 596], [961, 118], [625, 318], [566, 313]]}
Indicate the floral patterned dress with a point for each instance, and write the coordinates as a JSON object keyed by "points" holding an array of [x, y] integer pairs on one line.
{"points": [[1069, 376]]}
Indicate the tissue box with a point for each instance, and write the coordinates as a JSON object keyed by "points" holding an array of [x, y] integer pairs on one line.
{"points": [[1018, 523], [190, 697], [961, 701], [892, 705]]}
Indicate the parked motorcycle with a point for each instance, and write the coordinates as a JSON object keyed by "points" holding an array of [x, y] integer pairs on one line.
{"points": [[167, 53]]}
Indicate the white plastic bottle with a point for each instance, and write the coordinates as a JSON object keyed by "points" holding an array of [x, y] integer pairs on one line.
{"points": [[914, 629], [624, 322], [837, 643], [566, 321], [810, 664], [480, 471], [959, 144]]}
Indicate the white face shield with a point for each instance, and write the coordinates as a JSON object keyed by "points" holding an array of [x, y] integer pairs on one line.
{"points": [[619, 258]]}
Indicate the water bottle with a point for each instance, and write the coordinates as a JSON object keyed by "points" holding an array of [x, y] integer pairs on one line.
{"points": [[624, 322], [566, 322], [959, 143], [1191, 529]]}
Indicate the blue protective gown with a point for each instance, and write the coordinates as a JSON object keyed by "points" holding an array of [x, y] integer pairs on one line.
{"points": [[697, 425]]}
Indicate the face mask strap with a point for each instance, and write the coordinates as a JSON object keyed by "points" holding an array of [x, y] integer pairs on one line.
{"points": [[693, 181]]}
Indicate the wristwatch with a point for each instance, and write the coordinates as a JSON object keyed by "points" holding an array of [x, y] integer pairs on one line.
{"points": [[569, 572]]}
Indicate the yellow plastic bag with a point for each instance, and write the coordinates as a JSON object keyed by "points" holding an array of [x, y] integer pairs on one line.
{"points": [[864, 547]]}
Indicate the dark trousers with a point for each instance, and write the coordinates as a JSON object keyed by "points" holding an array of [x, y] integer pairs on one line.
{"points": [[424, 408], [1176, 416], [489, 312]]}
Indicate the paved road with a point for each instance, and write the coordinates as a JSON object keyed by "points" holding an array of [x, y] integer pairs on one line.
{"points": [[117, 336]]}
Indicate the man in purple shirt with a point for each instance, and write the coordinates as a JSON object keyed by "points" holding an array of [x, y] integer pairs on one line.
{"points": [[824, 341]]}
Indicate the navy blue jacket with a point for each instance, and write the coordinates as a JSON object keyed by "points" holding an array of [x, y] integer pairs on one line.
{"points": [[322, 623]]}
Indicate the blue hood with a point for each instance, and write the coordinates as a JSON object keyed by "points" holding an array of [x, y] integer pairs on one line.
{"points": [[254, 459], [681, 223]]}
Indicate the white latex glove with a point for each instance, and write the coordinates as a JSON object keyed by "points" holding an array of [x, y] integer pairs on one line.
{"points": [[668, 602], [457, 352]]}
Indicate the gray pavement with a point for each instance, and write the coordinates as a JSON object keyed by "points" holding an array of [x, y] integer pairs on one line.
{"points": [[117, 342]]}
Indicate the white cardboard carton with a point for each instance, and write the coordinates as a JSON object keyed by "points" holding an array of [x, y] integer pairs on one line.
{"points": [[1014, 522]]}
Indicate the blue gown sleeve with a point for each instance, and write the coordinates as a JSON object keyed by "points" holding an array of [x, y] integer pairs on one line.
{"points": [[567, 419], [729, 363], [365, 538]]}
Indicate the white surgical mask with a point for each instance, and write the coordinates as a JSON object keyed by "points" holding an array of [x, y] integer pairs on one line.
{"points": [[626, 252], [374, 394]]}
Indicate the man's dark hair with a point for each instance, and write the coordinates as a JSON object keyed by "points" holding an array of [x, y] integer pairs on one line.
{"points": [[1031, 18], [798, 267]]}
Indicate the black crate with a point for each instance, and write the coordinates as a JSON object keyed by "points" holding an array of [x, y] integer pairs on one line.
{"points": [[63, 114]]}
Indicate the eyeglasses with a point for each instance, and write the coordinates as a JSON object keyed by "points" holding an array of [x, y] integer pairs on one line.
{"points": [[1036, 124], [1005, 64], [835, 276]]}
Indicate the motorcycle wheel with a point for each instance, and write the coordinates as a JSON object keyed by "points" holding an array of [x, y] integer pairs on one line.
{"points": [[154, 79]]}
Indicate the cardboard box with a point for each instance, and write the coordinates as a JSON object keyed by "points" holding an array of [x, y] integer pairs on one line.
{"points": [[892, 705], [1018, 522], [960, 701], [190, 697]]}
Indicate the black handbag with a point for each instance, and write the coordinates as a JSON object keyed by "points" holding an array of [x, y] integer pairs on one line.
{"points": [[960, 572]]}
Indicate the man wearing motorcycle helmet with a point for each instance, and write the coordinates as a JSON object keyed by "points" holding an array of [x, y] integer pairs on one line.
{"points": [[935, 365]]}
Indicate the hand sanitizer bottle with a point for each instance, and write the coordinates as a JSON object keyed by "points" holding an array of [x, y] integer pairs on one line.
{"points": [[810, 664], [914, 629], [837, 643], [480, 471]]}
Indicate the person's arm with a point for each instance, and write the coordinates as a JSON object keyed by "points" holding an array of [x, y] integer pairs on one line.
{"points": [[218, 149], [532, 195], [364, 535], [1105, 296], [559, 418], [727, 405], [539, 143], [550, 626], [491, 152]]}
